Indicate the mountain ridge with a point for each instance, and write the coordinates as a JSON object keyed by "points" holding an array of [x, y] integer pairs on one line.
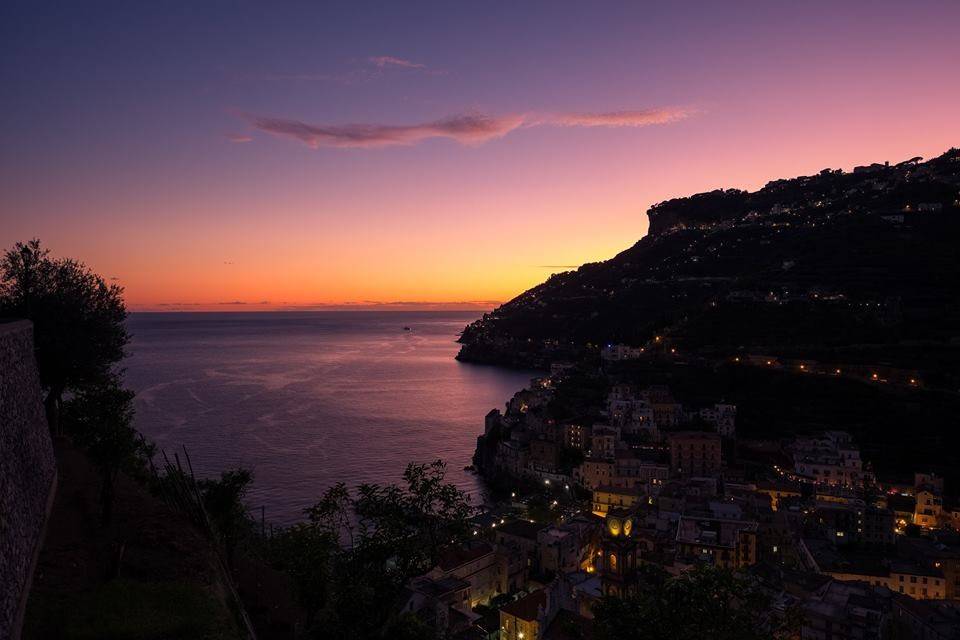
{"points": [[836, 262]]}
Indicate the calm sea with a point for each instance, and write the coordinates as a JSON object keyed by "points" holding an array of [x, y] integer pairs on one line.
{"points": [[309, 399]]}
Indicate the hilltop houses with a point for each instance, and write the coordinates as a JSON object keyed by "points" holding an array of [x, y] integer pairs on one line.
{"points": [[695, 493]]}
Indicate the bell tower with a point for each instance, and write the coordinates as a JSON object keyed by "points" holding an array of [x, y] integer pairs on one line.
{"points": [[618, 569]]}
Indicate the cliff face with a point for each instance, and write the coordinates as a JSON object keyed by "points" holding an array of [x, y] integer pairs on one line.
{"points": [[27, 471], [700, 209]]}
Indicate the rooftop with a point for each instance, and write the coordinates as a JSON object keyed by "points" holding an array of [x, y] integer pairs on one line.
{"points": [[942, 615], [554, 533], [520, 528], [839, 597], [914, 569], [437, 588], [715, 532], [527, 607], [457, 556]]}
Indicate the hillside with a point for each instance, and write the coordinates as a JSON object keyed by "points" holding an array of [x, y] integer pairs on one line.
{"points": [[148, 574], [857, 267]]}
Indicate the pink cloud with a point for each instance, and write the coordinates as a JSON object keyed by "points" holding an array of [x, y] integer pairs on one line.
{"points": [[638, 118], [239, 137], [471, 128], [466, 129]]}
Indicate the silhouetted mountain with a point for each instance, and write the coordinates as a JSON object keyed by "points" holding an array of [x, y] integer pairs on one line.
{"points": [[860, 266]]}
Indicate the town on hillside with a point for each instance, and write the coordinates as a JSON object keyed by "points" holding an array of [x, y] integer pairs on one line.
{"points": [[602, 478]]}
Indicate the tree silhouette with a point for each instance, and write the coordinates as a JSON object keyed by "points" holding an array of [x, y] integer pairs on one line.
{"points": [[223, 500], [350, 561], [78, 319], [99, 419]]}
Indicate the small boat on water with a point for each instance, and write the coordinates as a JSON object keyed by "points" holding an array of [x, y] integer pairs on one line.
{"points": [[407, 329]]}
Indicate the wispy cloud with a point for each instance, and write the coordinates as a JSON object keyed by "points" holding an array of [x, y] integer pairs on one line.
{"points": [[239, 138], [390, 61], [469, 128], [466, 129], [637, 118]]}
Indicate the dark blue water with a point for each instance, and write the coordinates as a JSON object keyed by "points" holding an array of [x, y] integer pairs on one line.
{"points": [[309, 399]]}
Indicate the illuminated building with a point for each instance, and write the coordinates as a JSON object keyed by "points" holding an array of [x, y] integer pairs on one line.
{"points": [[928, 510], [728, 544], [573, 436], [523, 619], [618, 554], [778, 491], [829, 459], [607, 498], [907, 578]]}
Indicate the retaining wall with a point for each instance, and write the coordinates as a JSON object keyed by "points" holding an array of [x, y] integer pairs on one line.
{"points": [[27, 471]]}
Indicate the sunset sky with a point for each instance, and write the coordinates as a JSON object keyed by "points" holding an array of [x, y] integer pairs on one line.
{"points": [[310, 154]]}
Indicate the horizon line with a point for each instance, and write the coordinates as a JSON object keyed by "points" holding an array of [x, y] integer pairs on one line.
{"points": [[293, 308]]}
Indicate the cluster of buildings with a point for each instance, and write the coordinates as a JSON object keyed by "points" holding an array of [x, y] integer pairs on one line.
{"points": [[830, 458], [517, 579], [671, 485], [640, 442]]}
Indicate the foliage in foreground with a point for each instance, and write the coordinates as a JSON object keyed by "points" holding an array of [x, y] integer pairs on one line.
{"points": [[223, 499], [355, 553], [100, 419], [705, 602]]}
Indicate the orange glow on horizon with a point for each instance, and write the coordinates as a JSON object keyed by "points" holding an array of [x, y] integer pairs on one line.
{"points": [[199, 157]]}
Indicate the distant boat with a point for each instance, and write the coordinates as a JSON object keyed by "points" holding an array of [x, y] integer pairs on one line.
{"points": [[407, 329]]}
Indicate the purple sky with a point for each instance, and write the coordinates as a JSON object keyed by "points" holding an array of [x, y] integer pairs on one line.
{"points": [[316, 153]]}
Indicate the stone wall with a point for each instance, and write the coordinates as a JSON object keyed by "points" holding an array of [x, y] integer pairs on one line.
{"points": [[27, 471]]}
